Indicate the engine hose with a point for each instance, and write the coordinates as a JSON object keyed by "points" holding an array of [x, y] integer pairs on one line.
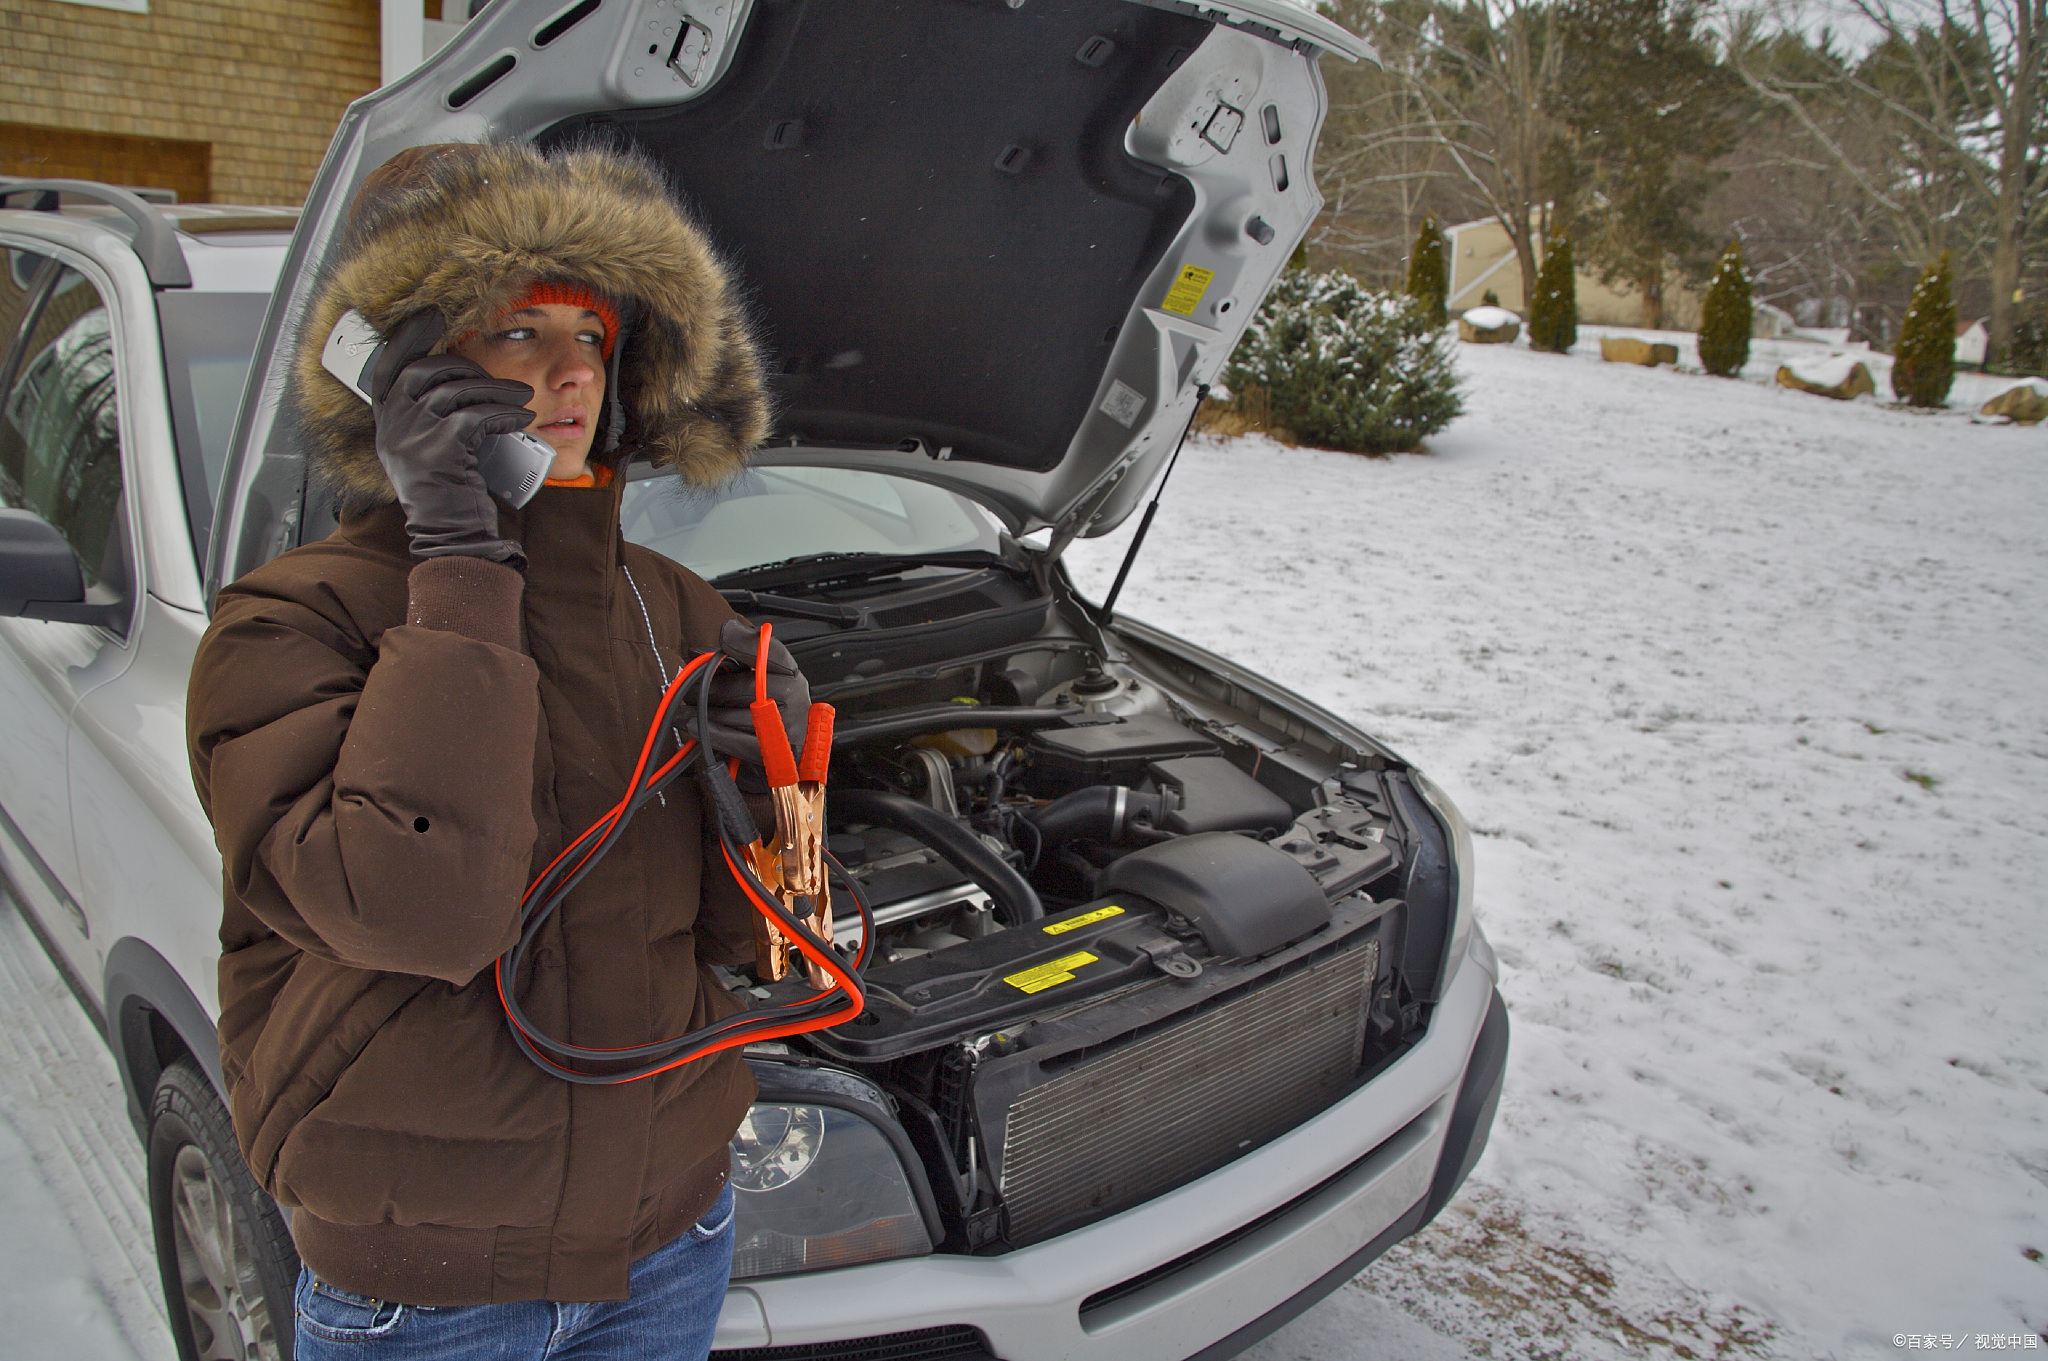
{"points": [[1102, 812], [1016, 901]]}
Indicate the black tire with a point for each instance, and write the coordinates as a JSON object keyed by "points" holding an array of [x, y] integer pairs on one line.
{"points": [[229, 1269]]}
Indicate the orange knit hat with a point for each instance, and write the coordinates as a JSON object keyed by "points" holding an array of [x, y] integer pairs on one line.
{"points": [[573, 295]]}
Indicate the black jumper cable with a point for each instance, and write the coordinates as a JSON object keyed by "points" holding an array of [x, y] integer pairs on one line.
{"points": [[798, 863]]}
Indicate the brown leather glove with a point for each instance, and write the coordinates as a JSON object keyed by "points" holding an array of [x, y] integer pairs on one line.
{"points": [[434, 414], [732, 690]]}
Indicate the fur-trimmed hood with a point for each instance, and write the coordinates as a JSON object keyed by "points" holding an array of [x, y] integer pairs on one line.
{"points": [[468, 229]]}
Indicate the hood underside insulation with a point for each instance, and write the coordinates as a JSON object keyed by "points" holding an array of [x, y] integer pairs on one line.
{"points": [[939, 248]]}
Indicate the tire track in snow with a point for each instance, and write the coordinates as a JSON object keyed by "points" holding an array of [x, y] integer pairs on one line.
{"points": [[62, 1099]]}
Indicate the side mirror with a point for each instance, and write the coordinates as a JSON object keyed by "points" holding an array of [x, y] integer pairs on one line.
{"points": [[39, 575]]}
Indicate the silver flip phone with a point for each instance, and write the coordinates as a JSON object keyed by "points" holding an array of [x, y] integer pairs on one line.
{"points": [[513, 465]]}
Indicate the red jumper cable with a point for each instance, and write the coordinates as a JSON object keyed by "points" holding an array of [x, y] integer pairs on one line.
{"points": [[787, 884]]}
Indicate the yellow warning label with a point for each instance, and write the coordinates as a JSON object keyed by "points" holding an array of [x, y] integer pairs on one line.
{"points": [[1044, 976], [1085, 919], [1187, 290]]}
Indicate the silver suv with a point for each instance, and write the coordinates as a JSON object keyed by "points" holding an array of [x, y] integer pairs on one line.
{"points": [[1179, 1013]]}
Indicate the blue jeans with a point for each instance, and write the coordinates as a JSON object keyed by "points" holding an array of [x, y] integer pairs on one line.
{"points": [[676, 1293]]}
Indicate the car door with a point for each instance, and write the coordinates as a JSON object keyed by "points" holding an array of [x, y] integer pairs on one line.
{"points": [[60, 457]]}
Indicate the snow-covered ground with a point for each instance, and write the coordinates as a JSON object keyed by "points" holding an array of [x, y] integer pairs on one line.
{"points": [[77, 1269], [1746, 693]]}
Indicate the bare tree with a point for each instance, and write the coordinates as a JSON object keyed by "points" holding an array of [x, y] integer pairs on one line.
{"points": [[1379, 162], [1958, 83], [1483, 82]]}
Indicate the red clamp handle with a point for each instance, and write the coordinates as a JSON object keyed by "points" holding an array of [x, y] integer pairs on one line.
{"points": [[817, 745], [776, 757]]}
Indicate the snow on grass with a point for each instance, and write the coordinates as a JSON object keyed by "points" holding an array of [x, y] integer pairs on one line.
{"points": [[1746, 694]]}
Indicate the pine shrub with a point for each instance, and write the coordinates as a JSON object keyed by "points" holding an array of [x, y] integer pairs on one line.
{"points": [[1725, 316], [1347, 367], [1924, 365], [2028, 352], [1428, 277], [1554, 312]]}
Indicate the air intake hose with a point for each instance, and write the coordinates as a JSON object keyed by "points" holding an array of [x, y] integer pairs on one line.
{"points": [[1102, 812], [1015, 900]]}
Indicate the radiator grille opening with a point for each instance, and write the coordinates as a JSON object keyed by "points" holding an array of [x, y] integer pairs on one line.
{"points": [[956, 1343], [1137, 1121]]}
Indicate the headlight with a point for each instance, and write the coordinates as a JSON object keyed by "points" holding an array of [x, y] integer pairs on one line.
{"points": [[775, 1145], [819, 1187], [1461, 872]]}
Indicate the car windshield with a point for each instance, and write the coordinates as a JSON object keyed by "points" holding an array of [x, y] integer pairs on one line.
{"points": [[773, 514], [208, 339]]}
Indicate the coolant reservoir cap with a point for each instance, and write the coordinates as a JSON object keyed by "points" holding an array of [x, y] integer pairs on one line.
{"points": [[1243, 896]]}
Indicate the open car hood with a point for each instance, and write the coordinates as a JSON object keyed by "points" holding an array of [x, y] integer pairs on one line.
{"points": [[993, 244]]}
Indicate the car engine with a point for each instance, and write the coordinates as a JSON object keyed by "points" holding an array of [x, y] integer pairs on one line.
{"points": [[1123, 931]]}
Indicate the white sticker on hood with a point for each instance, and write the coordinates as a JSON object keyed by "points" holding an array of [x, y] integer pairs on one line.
{"points": [[1123, 403]]}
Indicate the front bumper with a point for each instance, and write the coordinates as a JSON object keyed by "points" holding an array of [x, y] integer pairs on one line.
{"points": [[1209, 1268]]}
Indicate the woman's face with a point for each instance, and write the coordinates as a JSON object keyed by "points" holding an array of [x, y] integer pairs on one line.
{"points": [[558, 351]]}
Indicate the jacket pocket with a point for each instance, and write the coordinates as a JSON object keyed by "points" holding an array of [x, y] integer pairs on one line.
{"points": [[439, 1120]]}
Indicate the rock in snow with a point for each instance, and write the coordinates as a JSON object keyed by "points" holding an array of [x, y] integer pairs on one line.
{"points": [[1489, 326], [1839, 377], [2022, 405], [1628, 350]]}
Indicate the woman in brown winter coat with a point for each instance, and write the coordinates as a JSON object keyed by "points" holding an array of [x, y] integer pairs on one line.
{"points": [[394, 729]]}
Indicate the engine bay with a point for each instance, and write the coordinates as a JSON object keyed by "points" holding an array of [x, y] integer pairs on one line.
{"points": [[1077, 853]]}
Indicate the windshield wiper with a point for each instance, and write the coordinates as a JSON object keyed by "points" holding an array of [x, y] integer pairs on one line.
{"points": [[814, 569], [740, 599]]}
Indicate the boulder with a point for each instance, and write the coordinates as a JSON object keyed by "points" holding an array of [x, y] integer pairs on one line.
{"points": [[2022, 405], [1629, 350], [1839, 381], [1489, 326]]}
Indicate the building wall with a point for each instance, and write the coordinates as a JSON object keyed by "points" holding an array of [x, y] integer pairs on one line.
{"points": [[1483, 258], [260, 84]]}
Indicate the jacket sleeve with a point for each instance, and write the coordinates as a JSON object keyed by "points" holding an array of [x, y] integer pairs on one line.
{"points": [[374, 809]]}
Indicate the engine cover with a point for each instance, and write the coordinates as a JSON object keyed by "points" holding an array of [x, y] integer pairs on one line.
{"points": [[1243, 896]]}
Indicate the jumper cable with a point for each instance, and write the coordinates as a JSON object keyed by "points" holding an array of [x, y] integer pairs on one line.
{"points": [[787, 884]]}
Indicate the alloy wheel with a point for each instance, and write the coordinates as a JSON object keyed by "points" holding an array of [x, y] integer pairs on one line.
{"points": [[223, 1296]]}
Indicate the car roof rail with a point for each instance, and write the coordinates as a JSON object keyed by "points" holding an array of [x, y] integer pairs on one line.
{"points": [[156, 240]]}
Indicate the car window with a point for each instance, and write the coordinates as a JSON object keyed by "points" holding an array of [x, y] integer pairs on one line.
{"points": [[60, 434], [208, 339], [769, 514], [18, 286]]}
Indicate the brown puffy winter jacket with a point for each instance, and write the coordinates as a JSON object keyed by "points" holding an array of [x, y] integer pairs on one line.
{"points": [[390, 751]]}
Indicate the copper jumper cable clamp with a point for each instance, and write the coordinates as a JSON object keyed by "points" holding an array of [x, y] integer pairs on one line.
{"points": [[793, 868]]}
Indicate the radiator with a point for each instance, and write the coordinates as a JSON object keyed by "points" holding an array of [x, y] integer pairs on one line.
{"points": [[1128, 1123]]}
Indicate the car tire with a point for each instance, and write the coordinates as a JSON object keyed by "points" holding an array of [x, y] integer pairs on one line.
{"points": [[229, 1268]]}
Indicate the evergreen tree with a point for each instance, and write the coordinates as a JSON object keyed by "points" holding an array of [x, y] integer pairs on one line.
{"points": [[1344, 366], [1925, 363], [1652, 108], [1428, 279], [1725, 316], [1554, 312]]}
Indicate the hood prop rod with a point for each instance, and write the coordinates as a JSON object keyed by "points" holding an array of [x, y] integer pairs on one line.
{"points": [[1105, 610]]}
